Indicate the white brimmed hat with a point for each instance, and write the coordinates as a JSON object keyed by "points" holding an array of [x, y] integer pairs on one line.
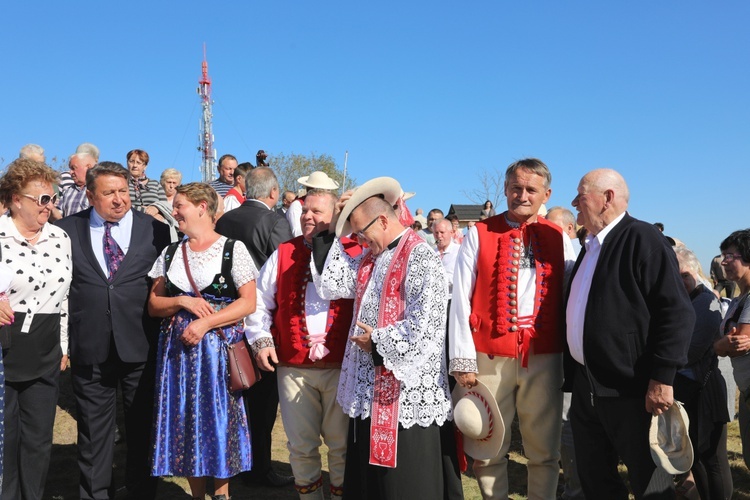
{"points": [[318, 180], [670, 443], [388, 187], [477, 416]]}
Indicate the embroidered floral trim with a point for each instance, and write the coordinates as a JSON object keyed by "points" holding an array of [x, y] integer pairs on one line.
{"points": [[309, 488], [261, 343], [337, 491], [463, 365]]}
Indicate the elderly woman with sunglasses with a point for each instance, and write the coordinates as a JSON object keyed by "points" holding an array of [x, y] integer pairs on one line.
{"points": [[37, 255]]}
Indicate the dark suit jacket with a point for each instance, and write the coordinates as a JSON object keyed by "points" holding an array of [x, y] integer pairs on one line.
{"points": [[639, 318], [260, 229], [98, 309]]}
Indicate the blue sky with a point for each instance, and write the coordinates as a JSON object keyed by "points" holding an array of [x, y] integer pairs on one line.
{"points": [[431, 93]]}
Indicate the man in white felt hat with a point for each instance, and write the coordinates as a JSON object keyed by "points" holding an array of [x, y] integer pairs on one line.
{"points": [[316, 180], [393, 382]]}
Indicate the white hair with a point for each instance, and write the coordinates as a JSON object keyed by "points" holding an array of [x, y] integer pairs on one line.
{"points": [[31, 150], [89, 149]]}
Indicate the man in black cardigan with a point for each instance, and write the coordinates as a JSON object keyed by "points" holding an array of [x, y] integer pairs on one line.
{"points": [[629, 323]]}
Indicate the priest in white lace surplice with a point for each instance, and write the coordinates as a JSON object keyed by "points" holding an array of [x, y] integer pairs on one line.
{"points": [[405, 338]]}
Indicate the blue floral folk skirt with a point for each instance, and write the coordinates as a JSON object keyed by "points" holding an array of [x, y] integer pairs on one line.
{"points": [[200, 428]]}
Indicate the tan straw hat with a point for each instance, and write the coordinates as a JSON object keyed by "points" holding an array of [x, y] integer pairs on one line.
{"points": [[670, 443], [318, 180], [477, 416], [388, 187]]}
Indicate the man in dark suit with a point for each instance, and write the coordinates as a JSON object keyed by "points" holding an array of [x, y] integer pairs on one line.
{"points": [[112, 338], [262, 230], [629, 323]]}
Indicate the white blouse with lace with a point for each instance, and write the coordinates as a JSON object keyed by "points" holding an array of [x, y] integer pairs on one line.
{"points": [[205, 265], [412, 348]]}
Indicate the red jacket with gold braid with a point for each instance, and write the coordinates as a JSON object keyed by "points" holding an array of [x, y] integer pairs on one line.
{"points": [[289, 320], [494, 321]]}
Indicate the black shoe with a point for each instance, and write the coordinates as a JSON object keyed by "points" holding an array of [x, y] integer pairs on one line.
{"points": [[270, 479], [276, 479]]}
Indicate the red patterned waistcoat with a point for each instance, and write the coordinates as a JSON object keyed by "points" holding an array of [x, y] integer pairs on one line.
{"points": [[289, 319], [494, 317]]}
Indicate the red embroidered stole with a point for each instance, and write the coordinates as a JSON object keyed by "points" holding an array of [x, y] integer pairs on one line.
{"points": [[384, 414]]}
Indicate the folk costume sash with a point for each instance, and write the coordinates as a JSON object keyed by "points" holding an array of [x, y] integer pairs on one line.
{"points": [[384, 413]]}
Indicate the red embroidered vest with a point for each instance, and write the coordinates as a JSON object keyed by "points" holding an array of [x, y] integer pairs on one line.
{"points": [[494, 321], [289, 321]]}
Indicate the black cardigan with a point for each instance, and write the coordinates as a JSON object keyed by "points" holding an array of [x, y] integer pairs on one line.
{"points": [[639, 318]]}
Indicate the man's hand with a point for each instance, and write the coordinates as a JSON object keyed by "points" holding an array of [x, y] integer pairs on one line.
{"points": [[64, 363], [339, 207], [363, 341], [659, 397], [466, 379], [265, 357]]}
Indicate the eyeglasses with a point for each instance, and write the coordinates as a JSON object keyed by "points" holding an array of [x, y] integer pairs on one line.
{"points": [[729, 257], [361, 232], [42, 199]]}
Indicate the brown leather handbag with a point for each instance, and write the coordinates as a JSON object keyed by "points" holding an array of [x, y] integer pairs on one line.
{"points": [[243, 372]]}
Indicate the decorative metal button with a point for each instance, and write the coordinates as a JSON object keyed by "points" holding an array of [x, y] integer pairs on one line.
{"points": [[516, 247], [513, 302], [514, 311], [514, 320], [515, 262], [512, 287], [514, 328], [514, 269], [515, 255], [512, 295], [513, 278]]}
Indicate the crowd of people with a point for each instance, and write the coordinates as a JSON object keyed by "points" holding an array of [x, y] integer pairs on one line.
{"points": [[404, 343]]}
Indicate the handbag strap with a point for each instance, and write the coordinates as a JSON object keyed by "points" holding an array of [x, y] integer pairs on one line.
{"points": [[192, 283]]}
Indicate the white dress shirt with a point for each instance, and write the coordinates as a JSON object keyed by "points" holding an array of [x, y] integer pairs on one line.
{"points": [[292, 216], [120, 232], [579, 291]]}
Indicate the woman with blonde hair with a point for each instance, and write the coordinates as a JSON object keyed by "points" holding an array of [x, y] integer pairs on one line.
{"points": [[38, 256], [203, 286]]}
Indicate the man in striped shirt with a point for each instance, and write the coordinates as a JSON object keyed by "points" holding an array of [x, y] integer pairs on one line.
{"points": [[224, 183]]}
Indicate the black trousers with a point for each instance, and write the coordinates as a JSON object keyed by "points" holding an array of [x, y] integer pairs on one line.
{"points": [[95, 389], [29, 423], [261, 405], [614, 428]]}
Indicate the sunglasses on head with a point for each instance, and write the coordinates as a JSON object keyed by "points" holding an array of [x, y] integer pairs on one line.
{"points": [[42, 199]]}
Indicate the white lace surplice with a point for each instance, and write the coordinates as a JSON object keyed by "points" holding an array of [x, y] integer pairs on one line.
{"points": [[205, 265], [413, 348]]}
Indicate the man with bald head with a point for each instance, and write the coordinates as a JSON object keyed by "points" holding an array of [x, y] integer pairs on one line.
{"points": [[629, 323]]}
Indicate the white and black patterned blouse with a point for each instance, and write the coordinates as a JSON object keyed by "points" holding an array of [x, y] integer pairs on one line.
{"points": [[37, 279]]}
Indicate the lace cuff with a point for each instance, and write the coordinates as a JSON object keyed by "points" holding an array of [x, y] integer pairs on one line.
{"points": [[261, 343], [463, 365]]}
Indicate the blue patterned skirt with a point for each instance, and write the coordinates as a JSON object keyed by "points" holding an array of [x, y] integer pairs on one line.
{"points": [[200, 428]]}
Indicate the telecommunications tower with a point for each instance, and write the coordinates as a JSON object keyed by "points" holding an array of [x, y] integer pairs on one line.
{"points": [[206, 137]]}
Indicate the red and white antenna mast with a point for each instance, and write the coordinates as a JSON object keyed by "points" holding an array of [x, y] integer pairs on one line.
{"points": [[206, 137]]}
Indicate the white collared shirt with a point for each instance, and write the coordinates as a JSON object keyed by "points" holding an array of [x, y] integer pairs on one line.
{"points": [[579, 290], [448, 259], [121, 234]]}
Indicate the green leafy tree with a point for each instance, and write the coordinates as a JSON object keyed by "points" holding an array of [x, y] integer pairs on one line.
{"points": [[289, 168]]}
